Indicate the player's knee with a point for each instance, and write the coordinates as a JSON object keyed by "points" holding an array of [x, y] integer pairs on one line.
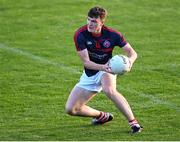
{"points": [[109, 91], [69, 110]]}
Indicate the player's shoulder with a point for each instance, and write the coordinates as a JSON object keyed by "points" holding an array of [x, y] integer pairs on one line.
{"points": [[112, 31], [81, 30], [78, 35]]}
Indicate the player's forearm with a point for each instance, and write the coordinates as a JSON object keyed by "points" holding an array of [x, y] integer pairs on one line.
{"points": [[132, 56], [93, 66], [131, 53]]}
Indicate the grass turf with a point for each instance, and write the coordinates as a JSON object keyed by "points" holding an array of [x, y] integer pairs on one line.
{"points": [[39, 66]]}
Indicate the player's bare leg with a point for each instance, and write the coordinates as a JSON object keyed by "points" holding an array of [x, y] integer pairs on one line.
{"points": [[76, 103], [109, 88]]}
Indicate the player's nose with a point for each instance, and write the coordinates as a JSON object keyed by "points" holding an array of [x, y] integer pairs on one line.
{"points": [[90, 23]]}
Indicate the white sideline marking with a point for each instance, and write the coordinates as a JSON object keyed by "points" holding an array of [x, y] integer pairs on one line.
{"points": [[40, 59], [160, 101], [153, 99]]}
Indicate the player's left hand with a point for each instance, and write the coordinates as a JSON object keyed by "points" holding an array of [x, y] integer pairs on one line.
{"points": [[107, 68]]}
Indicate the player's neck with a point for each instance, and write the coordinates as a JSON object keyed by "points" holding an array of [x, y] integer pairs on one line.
{"points": [[97, 33]]}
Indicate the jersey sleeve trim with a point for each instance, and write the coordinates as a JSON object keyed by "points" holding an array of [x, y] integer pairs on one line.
{"points": [[77, 34]]}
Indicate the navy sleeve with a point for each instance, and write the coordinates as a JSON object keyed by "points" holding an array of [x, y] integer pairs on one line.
{"points": [[120, 40], [79, 41]]}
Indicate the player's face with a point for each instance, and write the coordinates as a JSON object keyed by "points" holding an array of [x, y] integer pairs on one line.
{"points": [[94, 25]]}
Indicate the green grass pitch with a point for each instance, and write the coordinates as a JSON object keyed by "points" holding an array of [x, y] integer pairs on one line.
{"points": [[39, 66]]}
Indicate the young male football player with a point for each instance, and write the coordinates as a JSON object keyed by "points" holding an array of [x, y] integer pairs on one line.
{"points": [[94, 44]]}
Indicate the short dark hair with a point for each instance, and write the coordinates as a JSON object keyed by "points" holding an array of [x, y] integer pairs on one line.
{"points": [[98, 12]]}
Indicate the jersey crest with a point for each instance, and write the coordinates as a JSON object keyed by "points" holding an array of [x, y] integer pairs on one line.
{"points": [[106, 44]]}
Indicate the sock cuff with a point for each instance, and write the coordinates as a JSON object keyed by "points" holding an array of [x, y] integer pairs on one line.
{"points": [[133, 122], [101, 116]]}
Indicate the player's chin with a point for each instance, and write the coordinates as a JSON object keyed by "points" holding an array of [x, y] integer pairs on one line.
{"points": [[91, 30]]}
